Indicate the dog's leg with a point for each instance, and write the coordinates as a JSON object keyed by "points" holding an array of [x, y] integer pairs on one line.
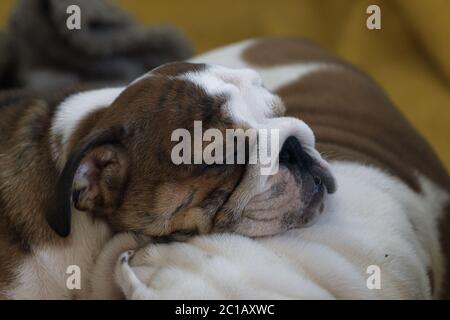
{"points": [[168, 271], [132, 287]]}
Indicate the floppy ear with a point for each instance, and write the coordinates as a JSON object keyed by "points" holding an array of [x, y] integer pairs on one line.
{"points": [[93, 178]]}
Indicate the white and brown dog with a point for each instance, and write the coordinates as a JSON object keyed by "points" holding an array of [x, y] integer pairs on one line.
{"points": [[89, 165], [389, 216], [82, 165]]}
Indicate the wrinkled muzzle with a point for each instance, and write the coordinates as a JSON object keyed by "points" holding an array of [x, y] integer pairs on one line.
{"points": [[291, 196]]}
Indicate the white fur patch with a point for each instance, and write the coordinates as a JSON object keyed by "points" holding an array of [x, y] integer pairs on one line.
{"points": [[247, 102], [74, 109], [274, 77], [43, 275]]}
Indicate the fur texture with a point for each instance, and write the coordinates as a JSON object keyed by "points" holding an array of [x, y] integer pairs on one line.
{"points": [[386, 212], [105, 161], [367, 222]]}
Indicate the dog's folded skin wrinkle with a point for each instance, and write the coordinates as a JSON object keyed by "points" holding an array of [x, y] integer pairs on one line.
{"points": [[186, 202]]}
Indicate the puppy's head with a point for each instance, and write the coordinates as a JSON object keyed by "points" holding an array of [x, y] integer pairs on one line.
{"points": [[123, 165]]}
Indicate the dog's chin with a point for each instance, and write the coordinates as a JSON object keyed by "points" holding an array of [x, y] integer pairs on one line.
{"points": [[287, 202]]}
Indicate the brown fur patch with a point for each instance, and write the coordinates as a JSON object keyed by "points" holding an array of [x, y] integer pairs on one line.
{"points": [[27, 175], [175, 69]]}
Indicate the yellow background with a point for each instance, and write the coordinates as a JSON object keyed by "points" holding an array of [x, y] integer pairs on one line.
{"points": [[409, 57]]}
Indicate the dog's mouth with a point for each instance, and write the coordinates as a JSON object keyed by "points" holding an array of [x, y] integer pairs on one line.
{"points": [[292, 198], [287, 204]]}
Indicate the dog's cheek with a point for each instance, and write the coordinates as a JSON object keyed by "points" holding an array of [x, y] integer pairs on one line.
{"points": [[268, 213]]}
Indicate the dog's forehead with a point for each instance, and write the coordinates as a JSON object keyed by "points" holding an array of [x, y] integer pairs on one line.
{"points": [[178, 68], [171, 70], [246, 100]]}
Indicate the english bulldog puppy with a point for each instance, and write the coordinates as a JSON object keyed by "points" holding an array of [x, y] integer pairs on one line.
{"points": [[384, 234], [79, 166]]}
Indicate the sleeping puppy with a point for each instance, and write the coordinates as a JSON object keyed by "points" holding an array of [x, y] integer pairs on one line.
{"points": [[82, 165], [383, 234]]}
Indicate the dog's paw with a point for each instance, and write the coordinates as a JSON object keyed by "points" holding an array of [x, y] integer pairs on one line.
{"points": [[128, 281], [126, 256], [165, 271]]}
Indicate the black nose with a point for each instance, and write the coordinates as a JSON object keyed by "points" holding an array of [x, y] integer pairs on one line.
{"points": [[294, 157], [293, 154]]}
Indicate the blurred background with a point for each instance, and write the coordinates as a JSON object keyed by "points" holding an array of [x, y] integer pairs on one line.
{"points": [[409, 56]]}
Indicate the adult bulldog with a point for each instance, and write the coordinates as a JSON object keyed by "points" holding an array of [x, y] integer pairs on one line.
{"points": [[383, 234]]}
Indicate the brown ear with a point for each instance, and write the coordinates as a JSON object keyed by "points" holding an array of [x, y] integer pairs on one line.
{"points": [[93, 177]]}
